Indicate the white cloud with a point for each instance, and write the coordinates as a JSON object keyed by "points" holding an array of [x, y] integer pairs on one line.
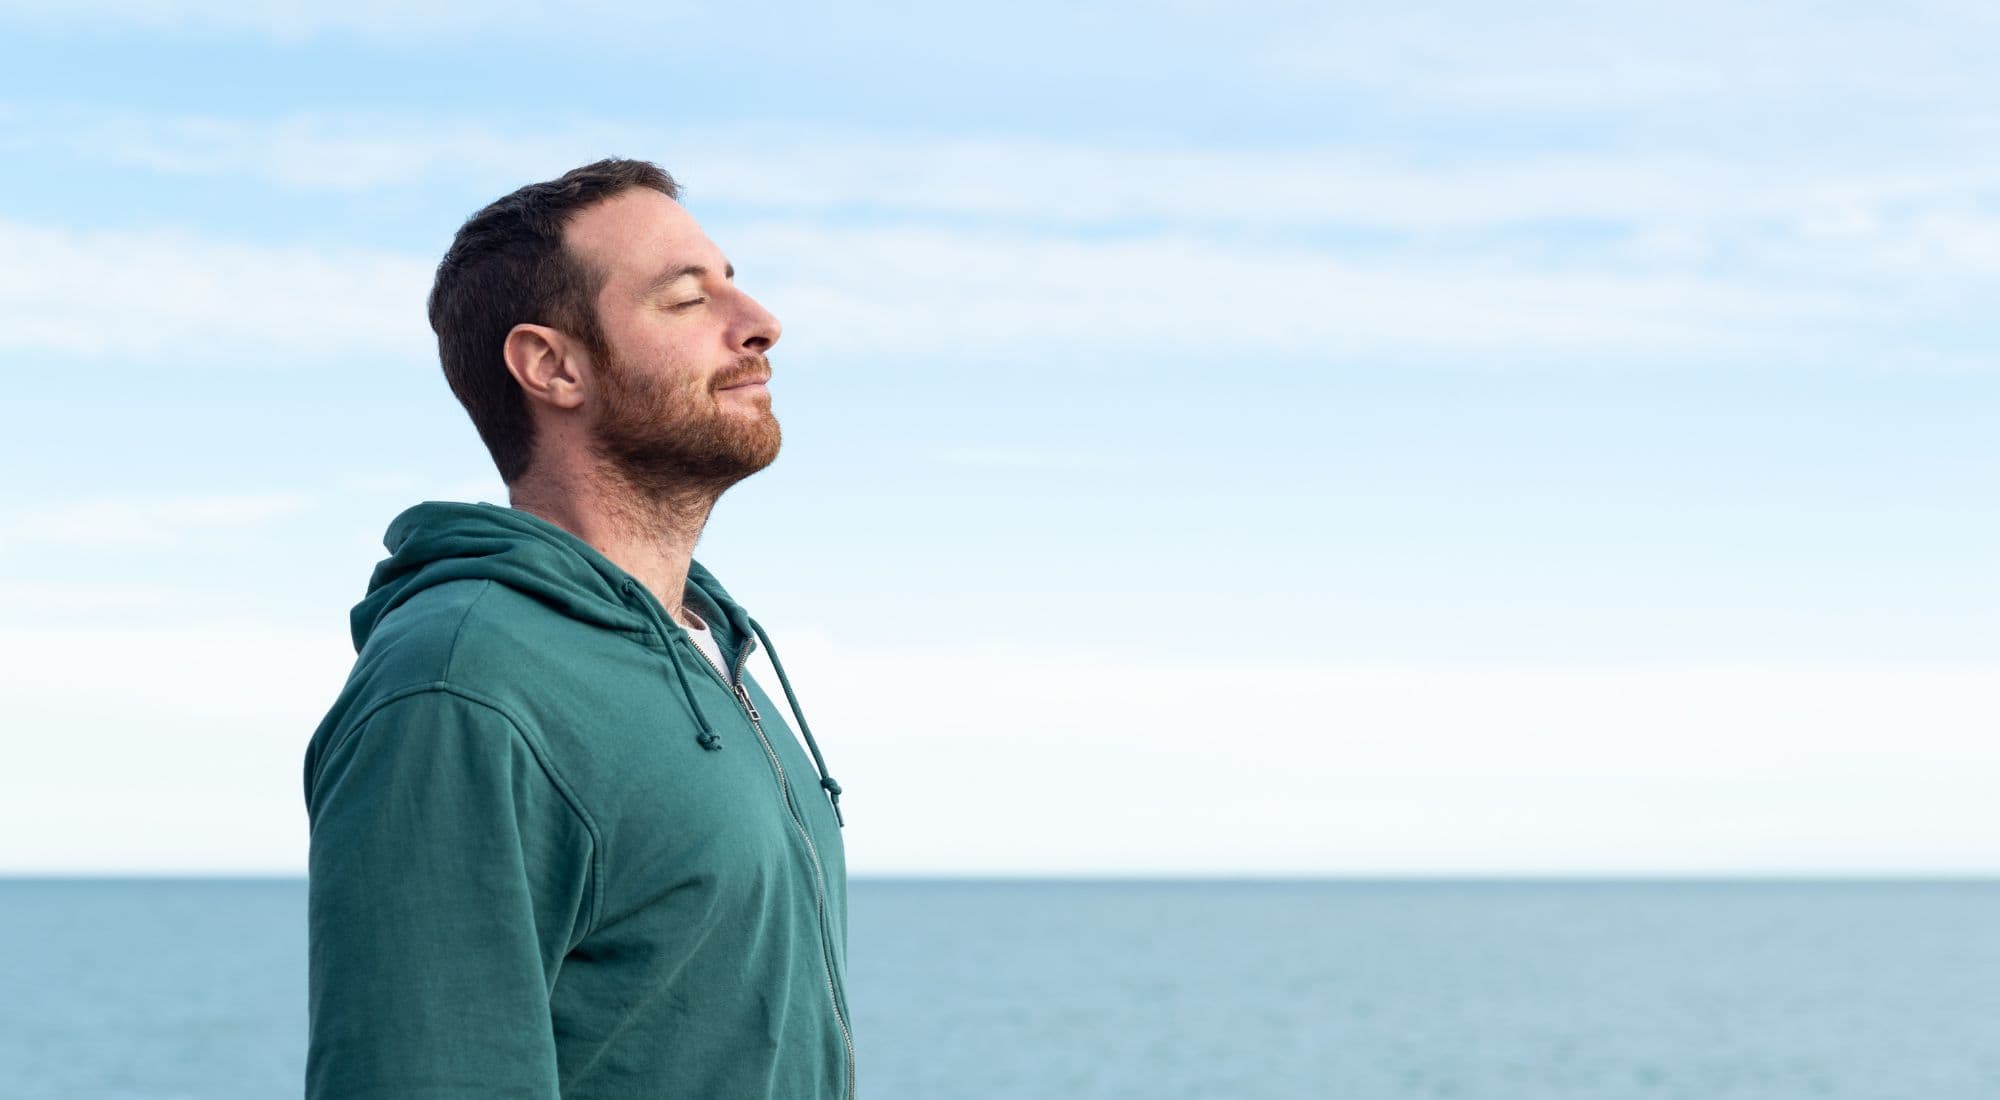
{"points": [[292, 20], [1435, 199], [67, 597], [399, 482], [867, 291], [148, 522], [1707, 60], [169, 748], [178, 748], [1561, 56], [312, 153], [1032, 248], [1065, 760], [164, 294], [1034, 458]]}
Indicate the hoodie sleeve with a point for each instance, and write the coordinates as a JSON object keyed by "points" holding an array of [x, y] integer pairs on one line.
{"points": [[448, 877]]}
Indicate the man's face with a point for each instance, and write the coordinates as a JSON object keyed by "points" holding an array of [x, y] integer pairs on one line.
{"points": [[681, 399]]}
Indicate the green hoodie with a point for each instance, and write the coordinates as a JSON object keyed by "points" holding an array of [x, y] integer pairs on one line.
{"points": [[554, 854]]}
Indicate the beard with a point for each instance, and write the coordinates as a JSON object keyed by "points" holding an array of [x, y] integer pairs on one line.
{"points": [[666, 439]]}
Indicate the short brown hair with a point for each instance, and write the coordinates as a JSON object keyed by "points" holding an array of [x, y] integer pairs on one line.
{"points": [[507, 266]]}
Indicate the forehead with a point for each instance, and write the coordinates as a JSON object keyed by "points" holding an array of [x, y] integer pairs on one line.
{"points": [[634, 235]]}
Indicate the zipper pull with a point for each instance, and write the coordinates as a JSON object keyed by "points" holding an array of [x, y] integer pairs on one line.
{"points": [[743, 694]]}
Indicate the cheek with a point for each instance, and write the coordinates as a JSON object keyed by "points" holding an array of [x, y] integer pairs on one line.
{"points": [[665, 353]]}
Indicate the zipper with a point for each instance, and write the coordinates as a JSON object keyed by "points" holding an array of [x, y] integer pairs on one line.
{"points": [[742, 693]]}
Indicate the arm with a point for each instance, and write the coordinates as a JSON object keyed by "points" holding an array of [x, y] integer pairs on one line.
{"points": [[449, 875]]}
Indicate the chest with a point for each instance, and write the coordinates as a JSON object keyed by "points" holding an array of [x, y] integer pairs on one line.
{"points": [[671, 810]]}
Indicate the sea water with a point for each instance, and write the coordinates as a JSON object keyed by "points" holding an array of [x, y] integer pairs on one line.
{"points": [[1411, 990]]}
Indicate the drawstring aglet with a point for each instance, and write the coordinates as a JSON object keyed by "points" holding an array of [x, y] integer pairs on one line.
{"points": [[833, 796]]}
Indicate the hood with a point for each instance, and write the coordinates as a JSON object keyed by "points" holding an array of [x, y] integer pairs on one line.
{"points": [[439, 541]]}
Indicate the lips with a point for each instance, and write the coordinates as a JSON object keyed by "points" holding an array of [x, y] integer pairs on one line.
{"points": [[747, 370]]}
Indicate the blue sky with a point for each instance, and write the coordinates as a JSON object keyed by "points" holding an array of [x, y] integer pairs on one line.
{"points": [[1219, 438]]}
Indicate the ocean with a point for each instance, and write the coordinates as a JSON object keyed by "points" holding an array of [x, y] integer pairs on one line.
{"points": [[175, 989]]}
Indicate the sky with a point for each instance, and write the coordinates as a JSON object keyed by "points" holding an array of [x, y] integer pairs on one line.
{"points": [[1220, 439]]}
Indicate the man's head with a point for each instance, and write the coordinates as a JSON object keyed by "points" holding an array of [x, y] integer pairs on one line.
{"points": [[591, 311]]}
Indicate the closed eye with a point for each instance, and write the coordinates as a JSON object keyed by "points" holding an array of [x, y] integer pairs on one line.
{"points": [[689, 304]]}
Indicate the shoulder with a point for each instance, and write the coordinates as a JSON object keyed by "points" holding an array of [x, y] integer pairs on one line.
{"points": [[415, 650], [416, 643], [483, 643], [476, 634], [488, 642], [407, 711]]}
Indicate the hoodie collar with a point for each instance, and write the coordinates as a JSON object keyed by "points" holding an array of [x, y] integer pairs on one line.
{"points": [[438, 541]]}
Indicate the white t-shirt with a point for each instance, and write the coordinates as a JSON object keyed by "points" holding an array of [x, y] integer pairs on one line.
{"points": [[705, 641]]}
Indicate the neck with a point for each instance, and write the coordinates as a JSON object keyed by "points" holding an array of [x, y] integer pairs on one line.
{"points": [[649, 533]]}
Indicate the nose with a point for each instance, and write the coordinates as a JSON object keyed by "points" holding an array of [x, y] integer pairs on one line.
{"points": [[757, 328]]}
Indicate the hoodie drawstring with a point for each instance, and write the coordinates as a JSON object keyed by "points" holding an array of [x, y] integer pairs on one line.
{"points": [[826, 781], [708, 738]]}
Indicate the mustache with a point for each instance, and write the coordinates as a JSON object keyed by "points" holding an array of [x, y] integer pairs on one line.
{"points": [[748, 368]]}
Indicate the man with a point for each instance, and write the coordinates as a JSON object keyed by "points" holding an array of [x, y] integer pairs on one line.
{"points": [[562, 845]]}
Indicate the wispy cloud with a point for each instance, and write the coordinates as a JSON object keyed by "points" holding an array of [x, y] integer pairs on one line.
{"points": [[161, 748], [148, 522], [1023, 246], [1563, 56], [1422, 197], [1217, 765], [870, 292], [310, 153], [20, 598], [152, 295], [1034, 458], [1573, 56], [1321, 767], [857, 291], [290, 20]]}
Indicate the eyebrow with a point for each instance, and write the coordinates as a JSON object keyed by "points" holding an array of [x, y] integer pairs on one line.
{"points": [[671, 275]]}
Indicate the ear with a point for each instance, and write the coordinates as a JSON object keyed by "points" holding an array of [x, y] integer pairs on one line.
{"points": [[545, 363]]}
